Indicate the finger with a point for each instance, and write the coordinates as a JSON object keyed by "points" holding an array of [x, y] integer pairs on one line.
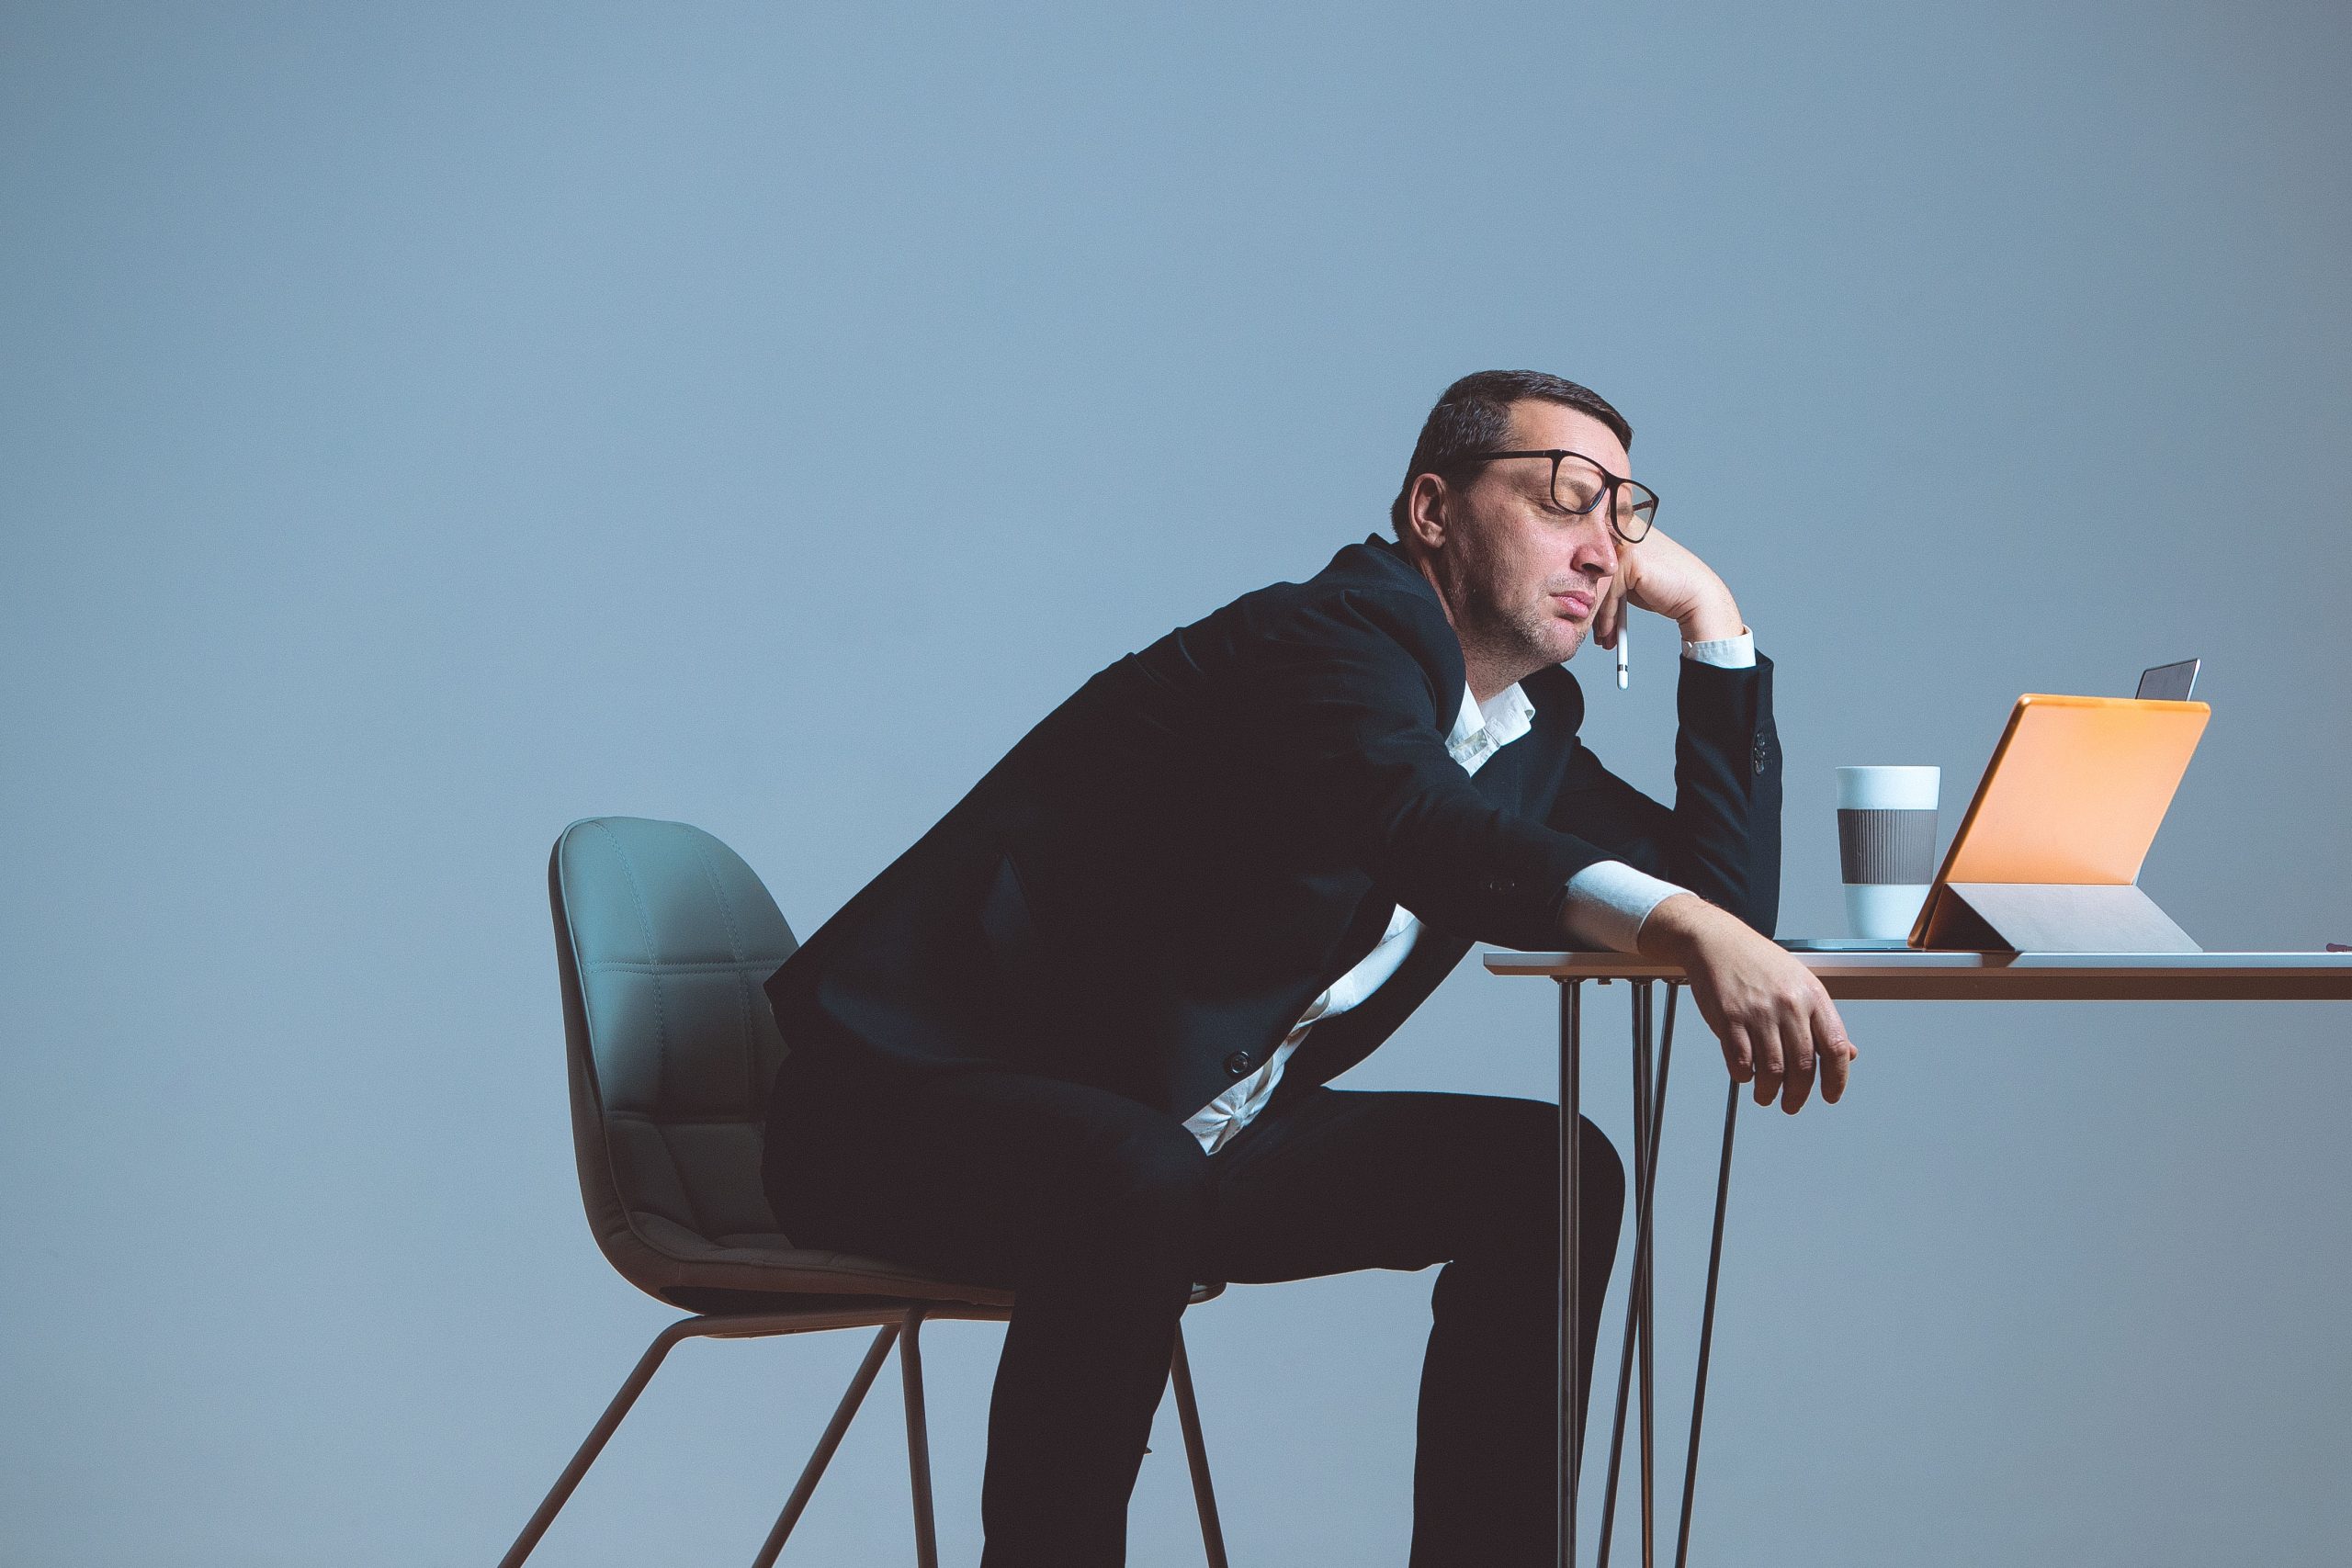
{"points": [[1771, 1063], [1835, 1051], [1608, 620], [1802, 1059], [1738, 1056], [1619, 609]]}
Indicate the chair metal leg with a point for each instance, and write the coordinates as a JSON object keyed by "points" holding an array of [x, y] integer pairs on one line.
{"points": [[815, 1469], [1196, 1454], [918, 1439], [598, 1436], [906, 1333]]}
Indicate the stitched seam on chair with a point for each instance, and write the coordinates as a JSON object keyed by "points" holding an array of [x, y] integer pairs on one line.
{"points": [[660, 1010], [742, 994], [678, 1167], [750, 1045], [726, 911]]}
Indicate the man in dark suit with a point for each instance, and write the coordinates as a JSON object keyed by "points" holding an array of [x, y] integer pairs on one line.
{"points": [[1077, 1040]]}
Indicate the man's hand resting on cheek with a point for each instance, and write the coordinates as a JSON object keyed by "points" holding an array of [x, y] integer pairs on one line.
{"points": [[1775, 1021], [1662, 577]]}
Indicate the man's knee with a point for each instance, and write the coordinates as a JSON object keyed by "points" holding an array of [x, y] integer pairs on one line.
{"points": [[1526, 1135], [1601, 1177], [1512, 1164]]}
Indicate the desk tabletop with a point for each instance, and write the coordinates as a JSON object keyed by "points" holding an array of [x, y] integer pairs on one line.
{"points": [[2011, 977]]}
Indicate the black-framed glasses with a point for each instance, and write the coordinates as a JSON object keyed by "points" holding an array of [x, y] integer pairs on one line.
{"points": [[1579, 484]]}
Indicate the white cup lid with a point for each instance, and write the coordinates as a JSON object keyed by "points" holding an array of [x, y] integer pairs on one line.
{"points": [[1888, 788]]}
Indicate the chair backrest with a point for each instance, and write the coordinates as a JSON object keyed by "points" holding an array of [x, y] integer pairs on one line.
{"points": [[663, 936]]}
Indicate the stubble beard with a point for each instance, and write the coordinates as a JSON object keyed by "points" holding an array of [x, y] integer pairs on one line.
{"points": [[1526, 637]]}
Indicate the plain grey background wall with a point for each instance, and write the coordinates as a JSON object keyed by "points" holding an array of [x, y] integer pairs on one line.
{"points": [[424, 425]]}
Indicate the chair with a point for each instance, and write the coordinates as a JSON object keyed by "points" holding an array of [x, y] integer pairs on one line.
{"points": [[662, 937]]}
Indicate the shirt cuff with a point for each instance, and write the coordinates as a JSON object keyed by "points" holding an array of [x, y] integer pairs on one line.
{"points": [[1608, 901], [1724, 653]]}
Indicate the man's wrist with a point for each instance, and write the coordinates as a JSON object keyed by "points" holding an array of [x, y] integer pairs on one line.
{"points": [[1606, 903], [1724, 652], [1673, 928], [1712, 619]]}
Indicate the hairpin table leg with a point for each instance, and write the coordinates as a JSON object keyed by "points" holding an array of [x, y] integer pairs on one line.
{"points": [[1707, 1326], [1571, 1439], [1645, 1259], [1649, 1120]]}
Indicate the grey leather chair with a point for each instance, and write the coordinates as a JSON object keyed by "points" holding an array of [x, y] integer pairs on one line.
{"points": [[662, 937]]}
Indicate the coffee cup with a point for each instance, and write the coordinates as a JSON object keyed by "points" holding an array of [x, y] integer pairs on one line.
{"points": [[1886, 846]]}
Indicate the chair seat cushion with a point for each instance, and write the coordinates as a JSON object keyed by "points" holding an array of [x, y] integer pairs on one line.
{"points": [[702, 1267], [770, 1263]]}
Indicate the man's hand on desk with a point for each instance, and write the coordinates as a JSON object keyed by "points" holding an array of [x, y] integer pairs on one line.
{"points": [[1776, 1021]]}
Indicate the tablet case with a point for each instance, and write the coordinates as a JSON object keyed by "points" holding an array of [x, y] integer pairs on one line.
{"points": [[2048, 857]]}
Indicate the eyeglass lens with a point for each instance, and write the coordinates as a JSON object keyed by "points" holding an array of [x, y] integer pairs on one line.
{"points": [[1577, 485]]}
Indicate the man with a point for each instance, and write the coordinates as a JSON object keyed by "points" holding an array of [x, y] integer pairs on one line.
{"points": [[1075, 1040]]}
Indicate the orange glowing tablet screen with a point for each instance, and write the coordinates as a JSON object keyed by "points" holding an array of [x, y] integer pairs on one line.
{"points": [[2075, 790]]}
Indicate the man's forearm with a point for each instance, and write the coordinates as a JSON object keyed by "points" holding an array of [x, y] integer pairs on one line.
{"points": [[1727, 780], [1608, 902]]}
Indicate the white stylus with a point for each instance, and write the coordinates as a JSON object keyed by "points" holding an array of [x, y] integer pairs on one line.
{"points": [[1622, 639]]}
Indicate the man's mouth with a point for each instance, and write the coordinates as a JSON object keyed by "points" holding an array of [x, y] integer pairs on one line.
{"points": [[1577, 604]]}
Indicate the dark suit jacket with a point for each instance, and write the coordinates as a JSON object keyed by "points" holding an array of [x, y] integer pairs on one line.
{"points": [[1146, 893]]}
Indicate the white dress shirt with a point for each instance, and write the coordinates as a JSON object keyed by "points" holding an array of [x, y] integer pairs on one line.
{"points": [[1607, 901]]}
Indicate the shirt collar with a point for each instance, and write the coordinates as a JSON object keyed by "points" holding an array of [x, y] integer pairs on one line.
{"points": [[1481, 729]]}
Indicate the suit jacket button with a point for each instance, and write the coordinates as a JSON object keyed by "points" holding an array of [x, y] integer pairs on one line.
{"points": [[1237, 1064]]}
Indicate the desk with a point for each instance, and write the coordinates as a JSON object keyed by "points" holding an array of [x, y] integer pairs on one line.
{"points": [[1848, 977]]}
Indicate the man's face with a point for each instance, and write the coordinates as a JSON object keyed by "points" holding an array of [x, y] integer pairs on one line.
{"points": [[1521, 576]]}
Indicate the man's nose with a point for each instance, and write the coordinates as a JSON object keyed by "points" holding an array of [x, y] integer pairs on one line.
{"points": [[1598, 551]]}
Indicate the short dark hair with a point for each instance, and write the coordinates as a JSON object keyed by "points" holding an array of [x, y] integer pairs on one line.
{"points": [[1474, 416]]}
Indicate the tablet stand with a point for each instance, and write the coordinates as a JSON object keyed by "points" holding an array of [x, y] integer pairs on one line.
{"points": [[2050, 916]]}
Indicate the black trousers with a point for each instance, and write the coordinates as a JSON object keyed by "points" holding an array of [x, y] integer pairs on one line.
{"points": [[1101, 1212]]}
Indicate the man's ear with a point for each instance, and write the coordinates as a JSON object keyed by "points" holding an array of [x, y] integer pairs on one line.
{"points": [[1425, 521]]}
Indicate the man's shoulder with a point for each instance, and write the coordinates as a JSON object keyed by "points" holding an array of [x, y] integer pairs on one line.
{"points": [[1370, 583], [1368, 610], [1374, 565]]}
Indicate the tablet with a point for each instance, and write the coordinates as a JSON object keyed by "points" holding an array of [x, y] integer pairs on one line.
{"points": [[2073, 796]]}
